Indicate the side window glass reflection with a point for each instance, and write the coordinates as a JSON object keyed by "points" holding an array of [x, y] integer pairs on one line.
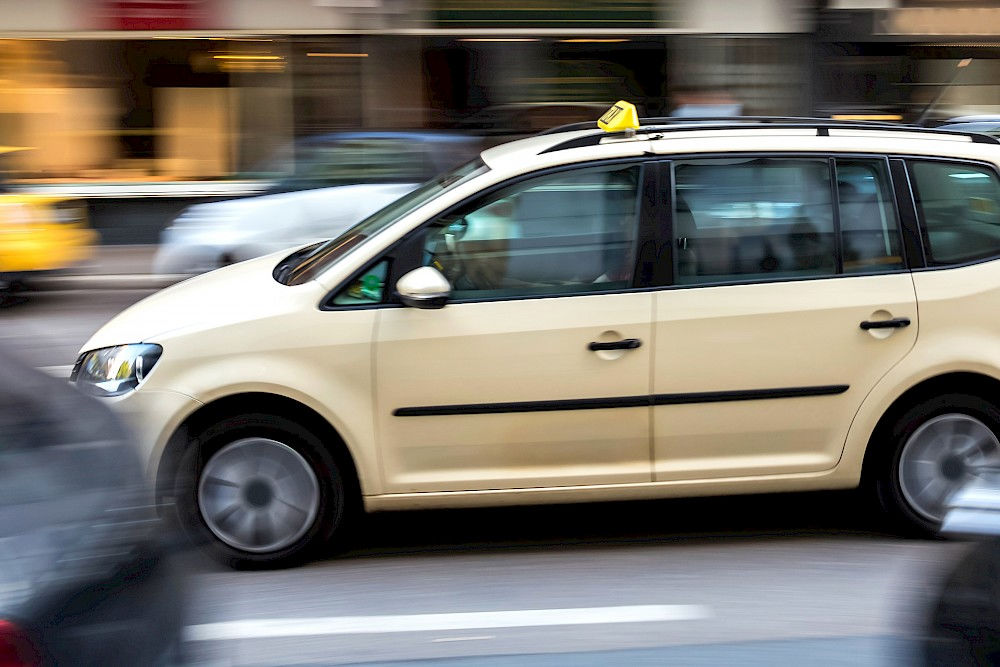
{"points": [[752, 219], [564, 233]]}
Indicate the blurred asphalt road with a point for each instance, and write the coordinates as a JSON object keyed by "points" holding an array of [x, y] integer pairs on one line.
{"points": [[758, 581], [110, 267], [785, 580]]}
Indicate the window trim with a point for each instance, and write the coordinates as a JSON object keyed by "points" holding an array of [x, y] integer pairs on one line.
{"points": [[652, 240], [657, 214], [913, 243], [405, 253], [838, 233], [923, 231]]}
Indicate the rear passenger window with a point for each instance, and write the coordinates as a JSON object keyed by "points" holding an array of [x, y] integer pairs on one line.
{"points": [[753, 219], [868, 227], [960, 211]]}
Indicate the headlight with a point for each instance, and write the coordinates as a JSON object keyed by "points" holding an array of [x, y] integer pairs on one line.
{"points": [[112, 371]]}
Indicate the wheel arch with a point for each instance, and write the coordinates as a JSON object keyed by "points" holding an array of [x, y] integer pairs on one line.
{"points": [[260, 402], [967, 382]]}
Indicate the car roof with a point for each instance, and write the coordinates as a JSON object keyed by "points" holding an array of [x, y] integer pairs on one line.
{"points": [[579, 135]]}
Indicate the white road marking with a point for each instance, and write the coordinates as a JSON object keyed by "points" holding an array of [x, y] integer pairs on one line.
{"points": [[520, 618], [463, 639]]}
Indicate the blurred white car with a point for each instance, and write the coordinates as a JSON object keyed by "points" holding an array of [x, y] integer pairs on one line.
{"points": [[207, 236], [324, 185]]}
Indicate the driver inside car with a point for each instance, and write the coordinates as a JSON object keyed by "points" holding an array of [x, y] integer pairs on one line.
{"points": [[472, 251]]}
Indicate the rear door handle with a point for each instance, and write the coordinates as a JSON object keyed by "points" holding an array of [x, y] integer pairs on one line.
{"points": [[894, 323], [625, 344]]}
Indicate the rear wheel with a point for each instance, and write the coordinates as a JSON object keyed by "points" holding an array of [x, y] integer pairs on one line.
{"points": [[935, 448], [261, 491]]}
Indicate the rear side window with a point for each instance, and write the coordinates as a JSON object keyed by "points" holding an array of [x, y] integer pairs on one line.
{"points": [[960, 210], [753, 219], [868, 226]]}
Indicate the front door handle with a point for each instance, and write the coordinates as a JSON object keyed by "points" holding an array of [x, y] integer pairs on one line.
{"points": [[625, 344], [894, 323]]}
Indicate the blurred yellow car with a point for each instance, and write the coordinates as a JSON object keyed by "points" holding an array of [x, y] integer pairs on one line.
{"points": [[41, 233]]}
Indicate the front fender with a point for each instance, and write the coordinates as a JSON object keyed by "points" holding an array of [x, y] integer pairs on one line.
{"points": [[319, 359]]}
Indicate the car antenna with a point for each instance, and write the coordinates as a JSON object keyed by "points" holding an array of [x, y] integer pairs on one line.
{"points": [[958, 69]]}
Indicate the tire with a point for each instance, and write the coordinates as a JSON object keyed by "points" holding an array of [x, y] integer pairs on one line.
{"points": [[930, 451], [260, 491]]}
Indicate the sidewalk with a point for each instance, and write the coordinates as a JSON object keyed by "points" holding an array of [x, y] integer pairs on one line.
{"points": [[111, 267]]}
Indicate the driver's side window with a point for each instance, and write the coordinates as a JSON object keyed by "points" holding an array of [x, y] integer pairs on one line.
{"points": [[568, 232]]}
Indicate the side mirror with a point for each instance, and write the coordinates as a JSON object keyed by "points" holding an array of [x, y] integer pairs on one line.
{"points": [[424, 288]]}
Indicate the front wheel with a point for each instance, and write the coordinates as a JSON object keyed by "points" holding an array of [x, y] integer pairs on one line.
{"points": [[261, 491], [934, 449]]}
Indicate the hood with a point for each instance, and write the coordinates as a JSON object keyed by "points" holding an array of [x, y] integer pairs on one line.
{"points": [[239, 292]]}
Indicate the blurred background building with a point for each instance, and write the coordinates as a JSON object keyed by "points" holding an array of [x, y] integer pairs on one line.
{"points": [[896, 57], [203, 89], [154, 91]]}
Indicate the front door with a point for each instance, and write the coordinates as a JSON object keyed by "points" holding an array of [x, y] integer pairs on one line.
{"points": [[500, 388]]}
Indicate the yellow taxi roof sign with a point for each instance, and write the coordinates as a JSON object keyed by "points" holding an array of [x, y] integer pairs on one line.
{"points": [[622, 116]]}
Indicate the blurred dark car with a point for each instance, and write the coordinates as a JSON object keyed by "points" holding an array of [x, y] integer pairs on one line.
{"points": [[964, 619], [86, 575]]}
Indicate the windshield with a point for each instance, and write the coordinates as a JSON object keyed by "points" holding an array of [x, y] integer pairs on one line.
{"points": [[305, 264]]}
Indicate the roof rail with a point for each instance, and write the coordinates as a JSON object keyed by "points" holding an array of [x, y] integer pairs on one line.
{"points": [[821, 125], [734, 120]]}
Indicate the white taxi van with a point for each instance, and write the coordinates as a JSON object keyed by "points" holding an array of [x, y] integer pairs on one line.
{"points": [[648, 310]]}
